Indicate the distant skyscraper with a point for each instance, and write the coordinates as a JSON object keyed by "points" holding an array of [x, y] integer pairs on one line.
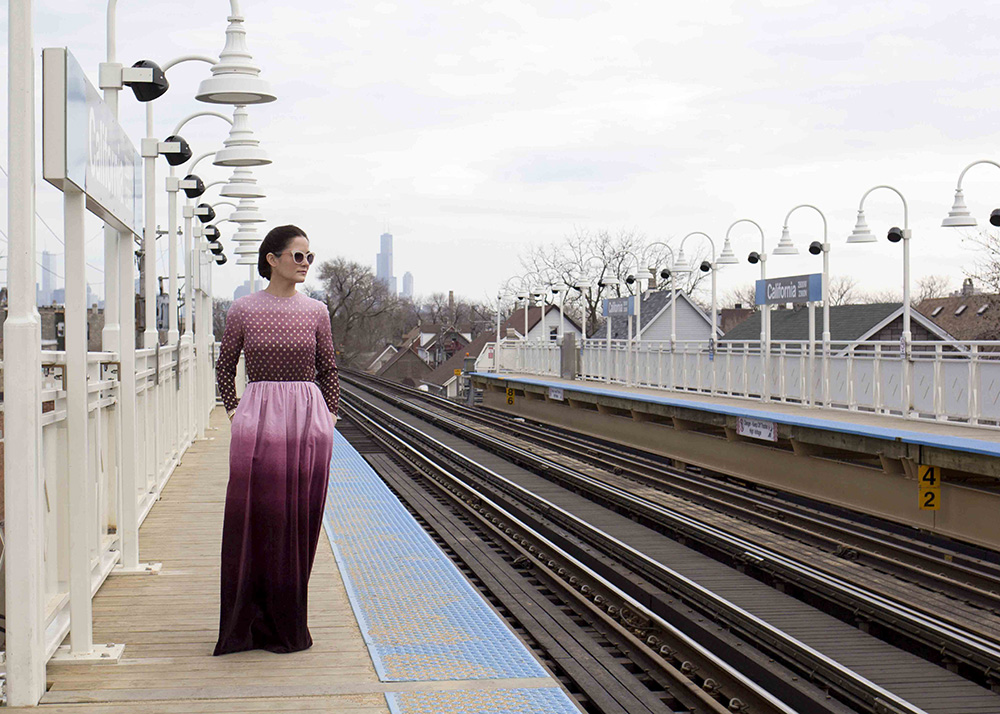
{"points": [[48, 275], [383, 263], [242, 291], [408, 284]]}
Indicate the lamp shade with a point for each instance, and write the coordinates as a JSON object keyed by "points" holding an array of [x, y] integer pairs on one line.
{"points": [[681, 264], [241, 148], [246, 212], [582, 285], [148, 91], [242, 184], [958, 216], [235, 78], [643, 274], [176, 158], [785, 245], [727, 256], [608, 282], [861, 233], [248, 248]]}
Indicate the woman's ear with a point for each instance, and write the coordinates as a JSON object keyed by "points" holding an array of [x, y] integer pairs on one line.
{"points": [[272, 260]]}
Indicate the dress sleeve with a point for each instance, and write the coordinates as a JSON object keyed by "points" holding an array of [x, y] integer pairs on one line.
{"points": [[229, 356], [326, 363]]}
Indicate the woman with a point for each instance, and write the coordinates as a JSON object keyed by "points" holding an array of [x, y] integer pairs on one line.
{"points": [[279, 457]]}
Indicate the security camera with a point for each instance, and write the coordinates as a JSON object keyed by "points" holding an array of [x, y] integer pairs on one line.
{"points": [[212, 233], [705, 266], [664, 274], [754, 258], [995, 217], [220, 260], [896, 235], [630, 279], [815, 247], [208, 213], [555, 291], [216, 248]]}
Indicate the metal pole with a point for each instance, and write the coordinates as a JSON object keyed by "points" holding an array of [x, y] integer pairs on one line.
{"points": [[496, 346], [715, 322], [80, 496], [812, 354], [826, 318], [607, 359], [907, 337], [172, 188], [673, 330], [23, 485], [150, 335]]}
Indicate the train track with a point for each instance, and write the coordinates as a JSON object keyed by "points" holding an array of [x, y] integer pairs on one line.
{"points": [[825, 673], [941, 601]]}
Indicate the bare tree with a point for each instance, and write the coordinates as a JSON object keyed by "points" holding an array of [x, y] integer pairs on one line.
{"points": [[931, 286], [362, 312], [744, 295], [220, 307], [594, 257], [986, 270], [843, 290]]}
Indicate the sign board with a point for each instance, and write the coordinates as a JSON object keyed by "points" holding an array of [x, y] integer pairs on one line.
{"points": [[556, 393], [84, 145], [619, 307], [510, 396], [930, 499], [929, 476], [757, 428], [929, 492], [458, 373], [795, 289]]}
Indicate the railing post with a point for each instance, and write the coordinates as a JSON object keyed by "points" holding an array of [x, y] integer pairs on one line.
{"points": [[939, 400], [973, 389], [851, 402]]}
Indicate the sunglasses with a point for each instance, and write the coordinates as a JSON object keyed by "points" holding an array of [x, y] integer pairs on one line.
{"points": [[299, 257]]}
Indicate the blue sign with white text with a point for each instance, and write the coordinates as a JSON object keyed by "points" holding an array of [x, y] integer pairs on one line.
{"points": [[794, 289]]}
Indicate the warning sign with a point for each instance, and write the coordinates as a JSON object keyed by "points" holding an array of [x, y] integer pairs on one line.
{"points": [[510, 396]]}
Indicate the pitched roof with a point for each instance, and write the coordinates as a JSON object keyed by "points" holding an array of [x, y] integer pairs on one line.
{"points": [[653, 303], [848, 323], [980, 320], [403, 351]]}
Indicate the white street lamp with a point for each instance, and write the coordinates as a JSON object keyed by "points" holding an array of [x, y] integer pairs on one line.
{"points": [[241, 147], [785, 247], [862, 234], [235, 78], [959, 216], [242, 184], [765, 309]]}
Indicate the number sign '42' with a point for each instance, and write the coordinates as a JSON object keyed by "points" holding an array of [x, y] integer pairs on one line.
{"points": [[929, 480]]}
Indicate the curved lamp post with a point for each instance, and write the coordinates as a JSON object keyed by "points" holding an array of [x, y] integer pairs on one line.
{"points": [[785, 247], [765, 310], [959, 216], [862, 234]]}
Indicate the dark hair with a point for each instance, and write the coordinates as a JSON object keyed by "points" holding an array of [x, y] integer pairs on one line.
{"points": [[276, 240]]}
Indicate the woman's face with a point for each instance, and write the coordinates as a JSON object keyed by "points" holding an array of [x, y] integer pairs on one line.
{"points": [[284, 264]]}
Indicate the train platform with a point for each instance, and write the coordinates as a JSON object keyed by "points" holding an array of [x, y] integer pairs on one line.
{"points": [[397, 628], [860, 460]]}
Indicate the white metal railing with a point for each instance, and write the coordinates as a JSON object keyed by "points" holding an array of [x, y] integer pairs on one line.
{"points": [[170, 411], [946, 381]]}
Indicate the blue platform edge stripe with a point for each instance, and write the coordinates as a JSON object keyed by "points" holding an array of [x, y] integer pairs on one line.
{"points": [[546, 700], [955, 443], [391, 568]]}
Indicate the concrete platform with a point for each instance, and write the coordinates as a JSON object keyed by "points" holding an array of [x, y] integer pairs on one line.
{"points": [[864, 461]]}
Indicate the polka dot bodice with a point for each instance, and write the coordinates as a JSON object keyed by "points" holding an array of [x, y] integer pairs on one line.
{"points": [[283, 339]]}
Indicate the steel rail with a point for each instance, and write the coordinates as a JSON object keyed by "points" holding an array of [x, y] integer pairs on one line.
{"points": [[967, 645], [864, 689]]}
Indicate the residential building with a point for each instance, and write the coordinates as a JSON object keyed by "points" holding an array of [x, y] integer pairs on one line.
{"points": [[881, 322], [968, 315], [692, 323]]}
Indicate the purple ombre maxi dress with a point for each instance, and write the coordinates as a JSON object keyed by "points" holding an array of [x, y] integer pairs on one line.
{"points": [[279, 463]]}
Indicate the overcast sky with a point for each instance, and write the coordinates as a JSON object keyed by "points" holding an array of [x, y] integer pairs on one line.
{"points": [[476, 129]]}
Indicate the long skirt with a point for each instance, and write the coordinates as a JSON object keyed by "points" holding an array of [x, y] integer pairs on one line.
{"points": [[279, 464]]}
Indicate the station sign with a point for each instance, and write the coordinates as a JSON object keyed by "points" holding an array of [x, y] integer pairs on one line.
{"points": [[929, 487], [757, 428], [619, 307], [84, 145], [794, 289]]}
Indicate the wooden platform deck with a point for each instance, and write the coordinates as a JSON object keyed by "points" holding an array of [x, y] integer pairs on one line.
{"points": [[169, 623]]}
